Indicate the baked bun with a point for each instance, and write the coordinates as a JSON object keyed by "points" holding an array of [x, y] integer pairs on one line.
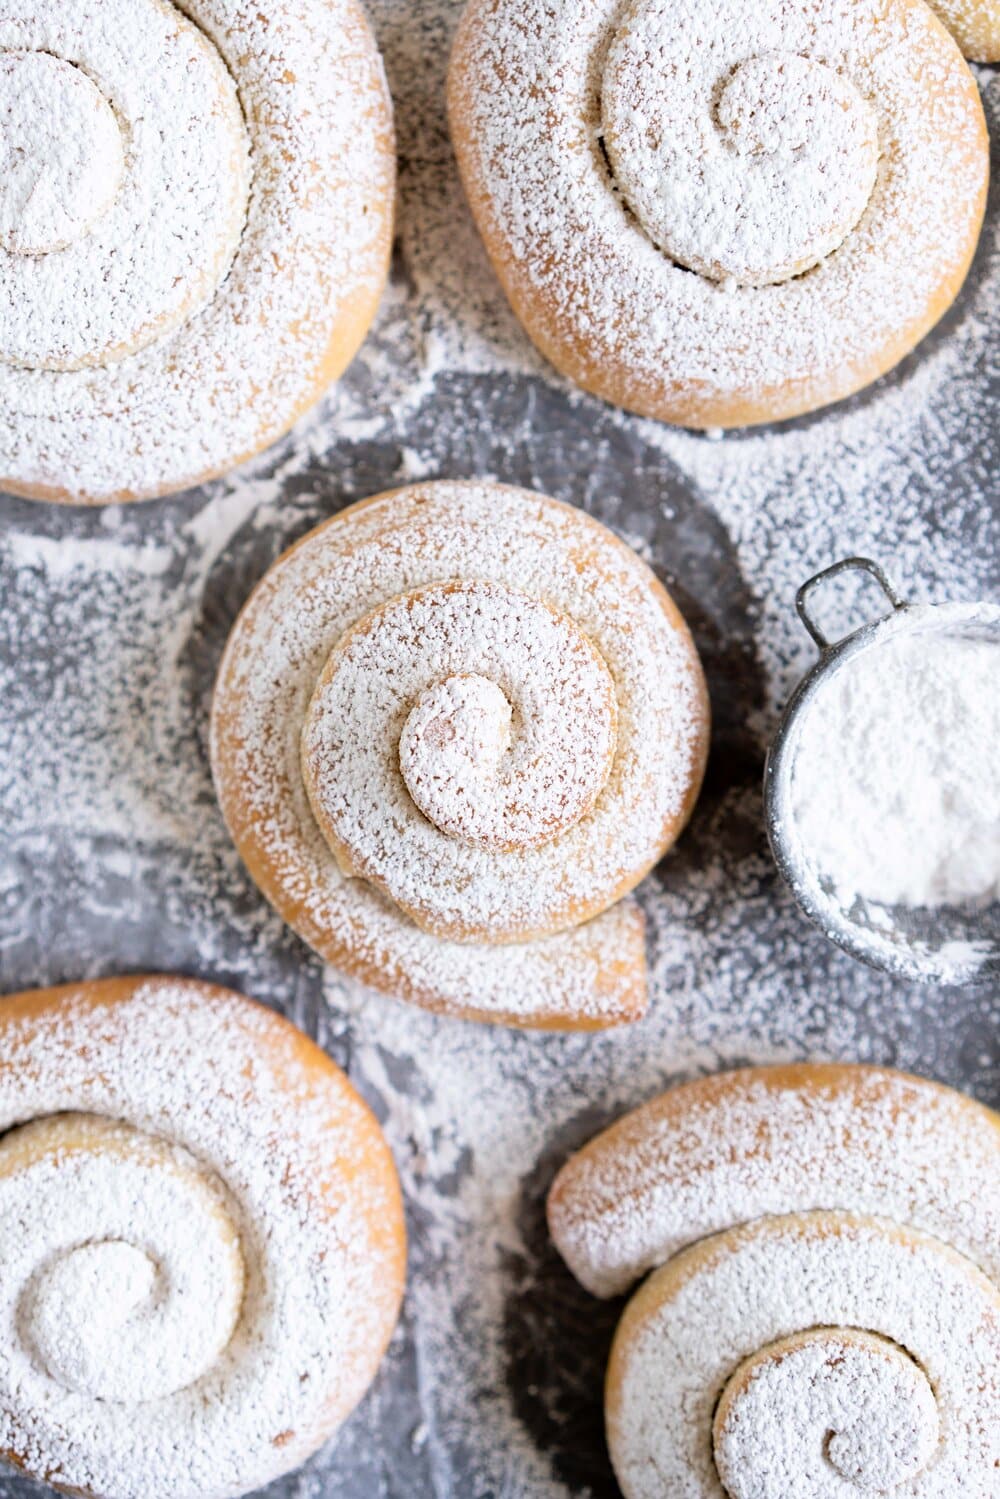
{"points": [[452, 728], [720, 212], [825, 1318], [195, 225], [975, 25], [201, 1235]]}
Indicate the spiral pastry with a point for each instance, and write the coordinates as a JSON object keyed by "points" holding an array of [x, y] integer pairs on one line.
{"points": [[716, 212], [195, 223], [452, 727], [825, 1320], [201, 1238]]}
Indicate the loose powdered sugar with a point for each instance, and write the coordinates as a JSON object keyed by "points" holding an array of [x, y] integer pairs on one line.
{"points": [[895, 772], [114, 854]]}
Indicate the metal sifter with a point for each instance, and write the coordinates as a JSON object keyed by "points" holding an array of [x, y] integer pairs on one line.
{"points": [[943, 944]]}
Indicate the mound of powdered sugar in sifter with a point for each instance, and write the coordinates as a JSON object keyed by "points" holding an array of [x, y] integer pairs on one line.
{"points": [[896, 774]]}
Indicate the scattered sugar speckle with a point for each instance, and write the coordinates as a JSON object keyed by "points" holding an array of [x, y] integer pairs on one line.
{"points": [[114, 854]]}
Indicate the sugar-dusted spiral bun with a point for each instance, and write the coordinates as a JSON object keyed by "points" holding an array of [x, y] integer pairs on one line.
{"points": [[975, 25], [719, 212], [825, 1320], [451, 726], [201, 1237], [195, 223]]}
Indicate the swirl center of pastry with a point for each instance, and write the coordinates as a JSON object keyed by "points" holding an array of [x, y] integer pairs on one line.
{"points": [[61, 154], [853, 1407], [482, 774], [747, 170], [451, 752], [83, 1298], [453, 726], [123, 205], [128, 1275]]}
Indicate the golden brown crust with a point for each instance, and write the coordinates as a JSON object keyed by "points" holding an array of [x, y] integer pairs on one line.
{"points": [[856, 1082], [360, 1162], [770, 1139], [366, 939], [975, 25], [345, 341], [316, 349], [812, 1231], [289, 1051], [559, 311]]}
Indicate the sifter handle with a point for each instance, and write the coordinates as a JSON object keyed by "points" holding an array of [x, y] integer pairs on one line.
{"points": [[848, 564]]}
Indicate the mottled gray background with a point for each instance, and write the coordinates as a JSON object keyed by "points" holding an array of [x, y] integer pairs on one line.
{"points": [[113, 856]]}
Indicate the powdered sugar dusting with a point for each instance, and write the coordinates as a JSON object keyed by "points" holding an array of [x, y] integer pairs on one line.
{"points": [[275, 683], [783, 184], [362, 750], [54, 187], [515, 640], [841, 1405], [751, 1144], [598, 292], [974, 24], [142, 1286], [235, 297], [114, 854], [767, 1149], [155, 251], [766, 1281], [456, 739], [260, 1317]]}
